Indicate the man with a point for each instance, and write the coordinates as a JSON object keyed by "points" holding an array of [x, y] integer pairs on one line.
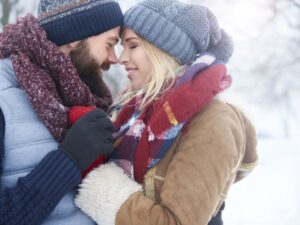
{"points": [[47, 66]]}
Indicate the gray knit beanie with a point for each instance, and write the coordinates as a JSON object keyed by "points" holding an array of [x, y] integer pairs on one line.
{"points": [[182, 30]]}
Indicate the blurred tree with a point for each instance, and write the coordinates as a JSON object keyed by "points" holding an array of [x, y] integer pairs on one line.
{"points": [[266, 61], [289, 12], [275, 73], [9, 7]]}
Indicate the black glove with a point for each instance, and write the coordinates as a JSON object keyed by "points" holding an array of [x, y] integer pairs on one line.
{"points": [[87, 138]]}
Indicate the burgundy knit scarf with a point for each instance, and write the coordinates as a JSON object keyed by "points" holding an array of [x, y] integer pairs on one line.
{"points": [[47, 76]]}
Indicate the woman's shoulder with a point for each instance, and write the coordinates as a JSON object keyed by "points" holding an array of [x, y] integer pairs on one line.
{"points": [[221, 120], [216, 112], [220, 128]]}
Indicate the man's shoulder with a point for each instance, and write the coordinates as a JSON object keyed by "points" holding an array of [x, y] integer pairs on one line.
{"points": [[7, 74], [6, 62]]}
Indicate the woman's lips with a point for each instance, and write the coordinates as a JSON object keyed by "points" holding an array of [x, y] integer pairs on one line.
{"points": [[130, 71]]}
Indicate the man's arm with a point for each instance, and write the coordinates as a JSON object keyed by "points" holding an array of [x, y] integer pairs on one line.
{"points": [[35, 196]]}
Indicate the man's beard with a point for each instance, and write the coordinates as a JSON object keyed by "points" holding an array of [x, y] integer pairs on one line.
{"points": [[89, 69]]}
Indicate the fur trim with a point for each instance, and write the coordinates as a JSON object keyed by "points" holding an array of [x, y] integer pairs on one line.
{"points": [[103, 191]]}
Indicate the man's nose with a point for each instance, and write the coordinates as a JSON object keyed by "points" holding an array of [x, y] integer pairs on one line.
{"points": [[112, 58]]}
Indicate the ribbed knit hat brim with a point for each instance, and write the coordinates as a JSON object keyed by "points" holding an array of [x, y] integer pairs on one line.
{"points": [[79, 26], [160, 32]]}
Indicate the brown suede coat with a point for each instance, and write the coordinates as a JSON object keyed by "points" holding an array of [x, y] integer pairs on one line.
{"points": [[190, 183]]}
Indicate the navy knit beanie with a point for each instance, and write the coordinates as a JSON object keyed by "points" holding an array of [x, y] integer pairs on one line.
{"points": [[182, 30], [66, 21]]}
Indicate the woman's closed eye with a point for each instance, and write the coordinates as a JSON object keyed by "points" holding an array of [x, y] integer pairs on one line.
{"points": [[133, 46]]}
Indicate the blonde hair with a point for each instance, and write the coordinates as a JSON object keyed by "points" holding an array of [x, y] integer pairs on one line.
{"points": [[165, 69]]}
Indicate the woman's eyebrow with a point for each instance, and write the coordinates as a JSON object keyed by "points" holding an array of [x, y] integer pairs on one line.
{"points": [[129, 39]]}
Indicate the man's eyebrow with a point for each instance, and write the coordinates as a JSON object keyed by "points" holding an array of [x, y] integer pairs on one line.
{"points": [[115, 39]]}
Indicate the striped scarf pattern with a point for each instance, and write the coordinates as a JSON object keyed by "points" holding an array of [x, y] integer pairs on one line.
{"points": [[143, 138]]}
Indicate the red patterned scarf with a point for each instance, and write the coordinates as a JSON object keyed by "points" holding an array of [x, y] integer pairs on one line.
{"points": [[47, 76], [143, 138]]}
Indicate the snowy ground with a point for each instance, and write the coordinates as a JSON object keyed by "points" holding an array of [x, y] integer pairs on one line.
{"points": [[270, 195]]}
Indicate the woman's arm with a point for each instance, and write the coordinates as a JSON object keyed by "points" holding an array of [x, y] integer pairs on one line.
{"points": [[196, 181]]}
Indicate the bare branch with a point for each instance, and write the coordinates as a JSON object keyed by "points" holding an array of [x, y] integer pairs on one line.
{"points": [[6, 7], [274, 8], [287, 17], [13, 2], [19, 10], [296, 3]]}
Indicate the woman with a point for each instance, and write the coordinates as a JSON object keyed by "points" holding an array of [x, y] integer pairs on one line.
{"points": [[177, 148]]}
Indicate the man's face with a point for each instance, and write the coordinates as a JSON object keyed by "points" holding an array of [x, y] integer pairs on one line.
{"points": [[93, 56]]}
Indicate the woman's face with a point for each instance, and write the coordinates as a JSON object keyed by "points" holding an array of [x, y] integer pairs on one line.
{"points": [[135, 60]]}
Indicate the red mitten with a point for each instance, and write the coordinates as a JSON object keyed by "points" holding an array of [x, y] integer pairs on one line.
{"points": [[76, 112]]}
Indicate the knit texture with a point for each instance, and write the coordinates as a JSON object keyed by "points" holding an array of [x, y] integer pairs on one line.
{"points": [[182, 30], [76, 112], [48, 77], [37, 194], [72, 20], [143, 138]]}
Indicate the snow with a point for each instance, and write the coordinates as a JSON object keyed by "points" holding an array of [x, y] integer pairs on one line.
{"points": [[270, 195]]}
